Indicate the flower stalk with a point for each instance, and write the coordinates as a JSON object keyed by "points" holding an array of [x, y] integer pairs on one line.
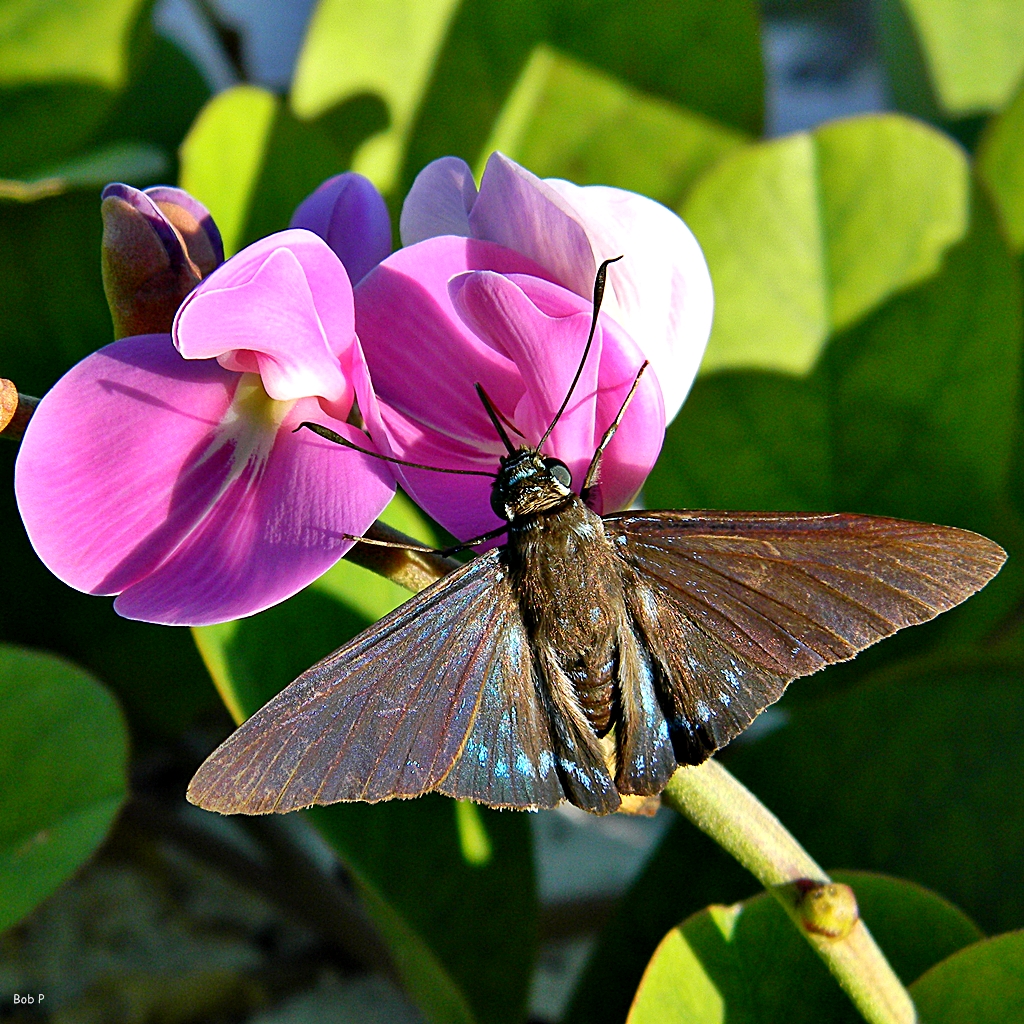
{"points": [[724, 809]]}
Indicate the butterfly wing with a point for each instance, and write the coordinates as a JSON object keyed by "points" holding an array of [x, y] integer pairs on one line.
{"points": [[734, 605], [439, 694]]}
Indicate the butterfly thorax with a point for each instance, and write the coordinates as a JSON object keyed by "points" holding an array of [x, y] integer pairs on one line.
{"points": [[568, 586]]}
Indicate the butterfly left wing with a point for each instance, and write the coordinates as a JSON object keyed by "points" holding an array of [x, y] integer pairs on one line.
{"points": [[439, 694], [734, 605]]}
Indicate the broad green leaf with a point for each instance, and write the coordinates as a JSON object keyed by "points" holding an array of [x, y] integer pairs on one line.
{"points": [[747, 964], [131, 162], [61, 65], [410, 856], [974, 50], [565, 119], [983, 984], [387, 49], [909, 772], [446, 70], [63, 762], [806, 235], [223, 153], [699, 55], [1001, 167], [251, 161], [912, 412], [74, 40], [686, 872]]}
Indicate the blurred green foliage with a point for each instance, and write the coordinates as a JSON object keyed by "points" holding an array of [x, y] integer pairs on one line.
{"points": [[865, 357]]}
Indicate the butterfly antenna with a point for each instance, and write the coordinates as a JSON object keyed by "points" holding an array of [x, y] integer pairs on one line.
{"points": [[599, 280], [493, 413], [330, 435]]}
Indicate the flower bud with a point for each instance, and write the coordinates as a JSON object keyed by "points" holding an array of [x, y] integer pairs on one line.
{"points": [[157, 246]]}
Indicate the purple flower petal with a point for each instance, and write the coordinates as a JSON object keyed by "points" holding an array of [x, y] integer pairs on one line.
{"points": [[157, 220], [348, 213], [423, 360], [660, 292], [179, 484], [439, 201], [275, 527], [282, 308], [437, 318], [169, 200]]}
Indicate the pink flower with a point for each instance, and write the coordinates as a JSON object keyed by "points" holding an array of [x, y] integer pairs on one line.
{"points": [[660, 292], [440, 316], [168, 474], [350, 215]]}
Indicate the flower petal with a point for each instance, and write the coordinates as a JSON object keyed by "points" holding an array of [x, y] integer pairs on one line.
{"points": [[520, 211], [97, 466], [660, 292], [140, 473], [263, 311], [423, 359], [439, 201], [546, 347], [193, 222], [275, 528], [350, 215]]}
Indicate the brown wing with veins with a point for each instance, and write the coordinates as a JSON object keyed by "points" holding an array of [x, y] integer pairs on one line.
{"points": [[438, 695], [734, 605]]}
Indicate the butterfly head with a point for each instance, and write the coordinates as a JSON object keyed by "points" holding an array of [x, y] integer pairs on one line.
{"points": [[529, 482]]}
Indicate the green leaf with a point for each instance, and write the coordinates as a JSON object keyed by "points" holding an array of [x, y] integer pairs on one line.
{"points": [[565, 119], [983, 984], [409, 856], [748, 964], [251, 161], [703, 57], [131, 162], [63, 761], [390, 48], [1001, 167], [686, 872], [806, 235], [446, 71], [74, 40], [61, 65], [974, 51], [907, 773]]}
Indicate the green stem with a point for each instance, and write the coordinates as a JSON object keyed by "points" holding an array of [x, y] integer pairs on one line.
{"points": [[723, 808]]}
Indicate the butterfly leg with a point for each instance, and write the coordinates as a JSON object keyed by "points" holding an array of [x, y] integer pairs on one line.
{"points": [[595, 462]]}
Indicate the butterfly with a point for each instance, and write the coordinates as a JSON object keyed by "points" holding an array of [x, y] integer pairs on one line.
{"points": [[588, 656]]}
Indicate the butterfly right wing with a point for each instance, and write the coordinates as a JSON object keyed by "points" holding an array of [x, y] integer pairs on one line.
{"points": [[438, 695], [734, 605]]}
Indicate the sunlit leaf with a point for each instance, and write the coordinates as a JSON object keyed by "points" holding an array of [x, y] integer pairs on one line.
{"points": [[1001, 166], [61, 65], [748, 964], [565, 119], [63, 754], [251, 161], [974, 51], [806, 235]]}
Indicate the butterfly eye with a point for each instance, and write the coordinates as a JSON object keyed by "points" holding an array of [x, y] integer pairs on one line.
{"points": [[560, 471]]}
